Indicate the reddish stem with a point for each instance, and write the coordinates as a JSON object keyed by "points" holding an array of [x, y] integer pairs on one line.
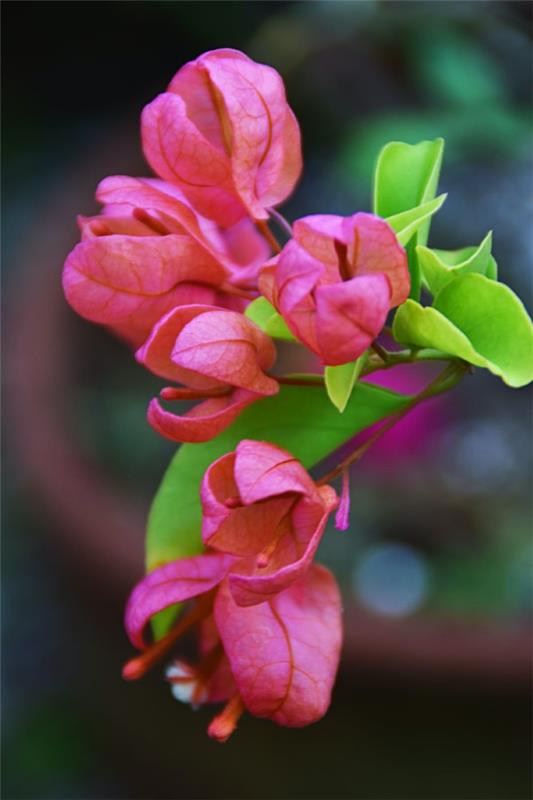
{"points": [[444, 381], [137, 667], [265, 231]]}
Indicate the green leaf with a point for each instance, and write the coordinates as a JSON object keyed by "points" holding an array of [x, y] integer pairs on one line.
{"points": [[340, 380], [439, 267], [300, 419], [478, 320], [406, 176], [407, 223], [267, 318], [260, 311]]}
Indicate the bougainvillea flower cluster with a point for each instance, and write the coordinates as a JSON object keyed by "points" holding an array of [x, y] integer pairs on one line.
{"points": [[268, 620], [170, 265], [185, 268]]}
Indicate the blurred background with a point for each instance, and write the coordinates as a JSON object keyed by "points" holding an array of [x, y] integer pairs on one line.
{"points": [[433, 698]]}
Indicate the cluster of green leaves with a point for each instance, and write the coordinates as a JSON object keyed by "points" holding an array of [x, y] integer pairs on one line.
{"points": [[472, 317]]}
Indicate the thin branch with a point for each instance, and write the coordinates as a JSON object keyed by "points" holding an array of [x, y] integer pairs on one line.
{"points": [[265, 231], [280, 219], [380, 351], [299, 380], [446, 380]]}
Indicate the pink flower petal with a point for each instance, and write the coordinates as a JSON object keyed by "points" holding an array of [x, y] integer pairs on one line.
{"points": [[342, 517], [296, 276], [179, 153], [374, 248], [284, 654], [265, 141], [238, 108], [221, 683], [156, 351], [263, 470], [349, 316], [202, 422], [317, 234], [172, 583], [227, 346], [156, 195], [240, 248], [132, 280], [246, 530], [106, 225], [299, 537], [229, 526], [248, 250]]}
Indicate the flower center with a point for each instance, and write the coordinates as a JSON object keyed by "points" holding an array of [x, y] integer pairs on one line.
{"points": [[345, 267]]}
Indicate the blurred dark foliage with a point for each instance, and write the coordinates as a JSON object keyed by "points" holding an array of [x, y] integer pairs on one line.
{"points": [[452, 518]]}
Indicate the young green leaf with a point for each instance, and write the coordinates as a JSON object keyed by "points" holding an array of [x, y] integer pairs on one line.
{"points": [[260, 311], [267, 318], [478, 320], [439, 267], [406, 176], [407, 223], [341, 380]]}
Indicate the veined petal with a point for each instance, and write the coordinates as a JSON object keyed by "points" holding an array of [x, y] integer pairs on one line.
{"points": [[373, 248], [203, 421], [111, 279], [349, 316], [156, 351], [228, 347], [281, 169], [248, 251], [178, 152], [284, 654], [263, 470], [262, 132], [246, 530], [295, 277], [136, 328], [292, 555], [317, 234], [172, 583], [217, 487], [107, 224]]}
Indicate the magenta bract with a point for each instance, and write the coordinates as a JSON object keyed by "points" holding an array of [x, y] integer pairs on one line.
{"points": [[224, 133], [260, 503], [149, 252], [284, 653], [278, 658], [335, 282], [220, 353]]}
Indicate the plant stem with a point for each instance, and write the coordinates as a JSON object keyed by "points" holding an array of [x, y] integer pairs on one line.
{"points": [[300, 380], [394, 358], [375, 363], [445, 381], [280, 219], [265, 231], [380, 351]]}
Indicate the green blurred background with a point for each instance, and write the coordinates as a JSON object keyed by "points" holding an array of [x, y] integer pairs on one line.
{"points": [[434, 694]]}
